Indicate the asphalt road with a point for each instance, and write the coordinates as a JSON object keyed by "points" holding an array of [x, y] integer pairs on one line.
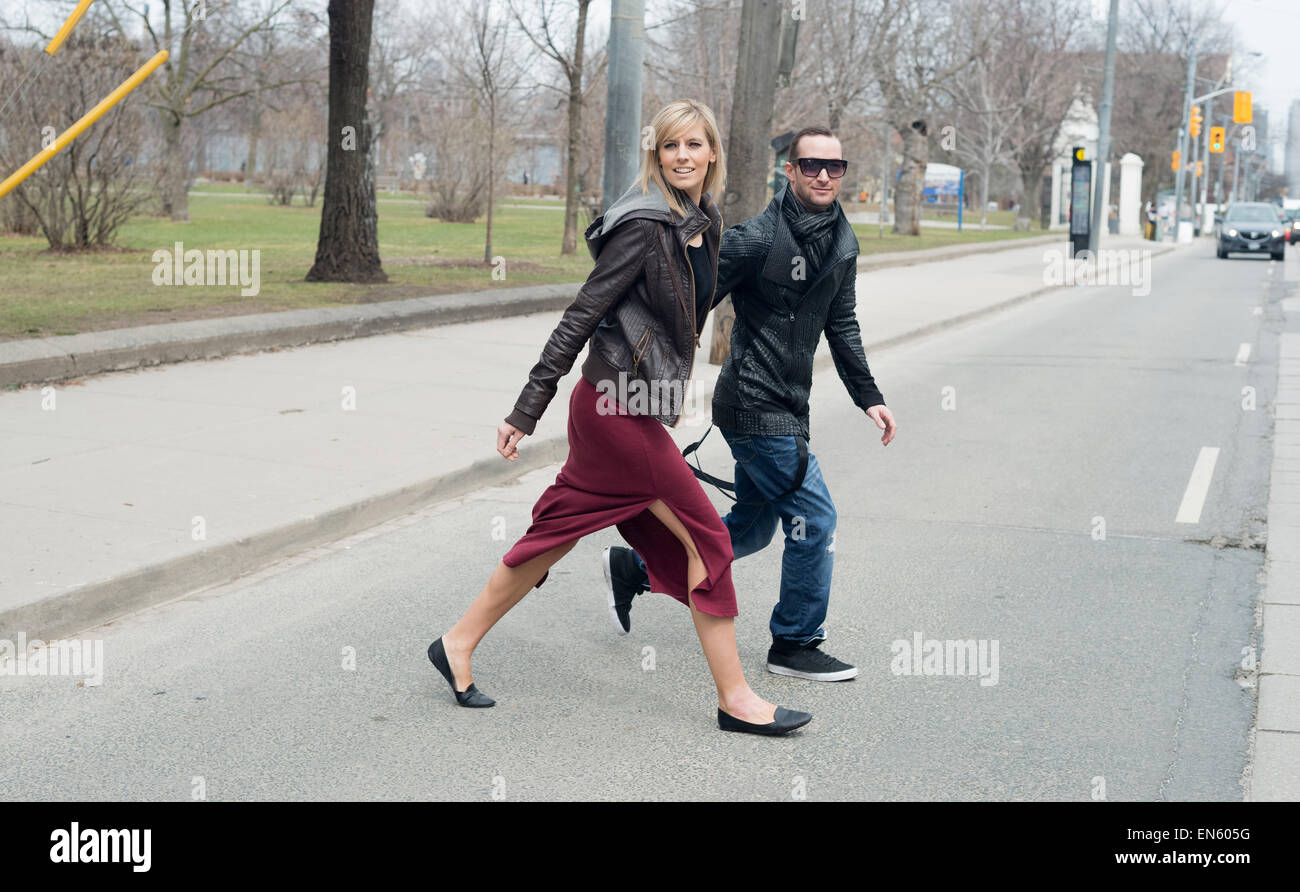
{"points": [[1118, 657]]}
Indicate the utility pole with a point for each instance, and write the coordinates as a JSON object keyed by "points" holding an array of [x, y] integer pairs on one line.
{"points": [[1100, 202], [1193, 182], [1182, 139], [623, 98], [1218, 187], [1236, 167], [1206, 218]]}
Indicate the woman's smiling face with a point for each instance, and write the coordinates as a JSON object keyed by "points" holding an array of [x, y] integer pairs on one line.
{"points": [[685, 159]]}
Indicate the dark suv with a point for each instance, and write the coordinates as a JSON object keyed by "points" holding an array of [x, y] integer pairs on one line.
{"points": [[1252, 228]]}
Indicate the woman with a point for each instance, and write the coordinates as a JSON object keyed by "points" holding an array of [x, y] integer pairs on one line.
{"points": [[642, 308]]}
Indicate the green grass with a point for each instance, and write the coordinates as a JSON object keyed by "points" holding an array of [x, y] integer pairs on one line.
{"points": [[44, 294]]}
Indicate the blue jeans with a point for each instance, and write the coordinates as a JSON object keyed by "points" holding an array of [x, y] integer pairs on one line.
{"points": [[765, 468]]}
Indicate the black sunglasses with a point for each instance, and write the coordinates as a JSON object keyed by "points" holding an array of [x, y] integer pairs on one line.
{"points": [[812, 167]]}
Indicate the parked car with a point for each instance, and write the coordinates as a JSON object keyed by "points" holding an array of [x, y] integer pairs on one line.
{"points": [[1252, 227]]}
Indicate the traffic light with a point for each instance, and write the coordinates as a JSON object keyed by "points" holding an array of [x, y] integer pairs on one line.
{"points": [[1197, 120], [1217, 137], [1178, 160], [1200, 168], [1241, 107]]}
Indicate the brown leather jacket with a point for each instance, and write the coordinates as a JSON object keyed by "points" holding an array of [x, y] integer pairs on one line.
{"points": [[637, 308]]}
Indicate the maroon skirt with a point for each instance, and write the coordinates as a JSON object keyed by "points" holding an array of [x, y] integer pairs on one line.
{"points": [[618, 466]]}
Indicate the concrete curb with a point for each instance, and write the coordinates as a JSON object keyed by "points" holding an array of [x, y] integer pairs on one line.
{"points": [[41, 360], [96, 603], [1274, 766]]}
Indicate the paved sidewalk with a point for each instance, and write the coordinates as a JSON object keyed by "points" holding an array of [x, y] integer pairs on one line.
{"points": [[1275, 768], [68, 357], [132, 488]]}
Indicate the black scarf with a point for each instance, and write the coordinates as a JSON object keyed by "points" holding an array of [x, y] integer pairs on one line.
{"points": [[814, 232]]}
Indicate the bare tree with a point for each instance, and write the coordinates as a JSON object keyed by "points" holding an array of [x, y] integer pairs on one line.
{"points": [[749, 153], [1044, 73], [705, 33], [542, 28], [917, 57], [400, 63], [1151, 75], [81, 196], [491, 72], [840, 41], [985, 98], [348, 247], [203, 39]]}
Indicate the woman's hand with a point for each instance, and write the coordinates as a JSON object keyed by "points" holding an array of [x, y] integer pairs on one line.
{"points": [[508, 437]]}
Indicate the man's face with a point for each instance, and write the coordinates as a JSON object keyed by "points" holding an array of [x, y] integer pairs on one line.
{"points": [[818, 192]]}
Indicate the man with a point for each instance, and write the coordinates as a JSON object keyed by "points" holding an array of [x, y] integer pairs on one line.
{"points": [[791, 272]]}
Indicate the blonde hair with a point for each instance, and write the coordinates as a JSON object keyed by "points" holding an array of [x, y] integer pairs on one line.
{"points": [[672, 120]]}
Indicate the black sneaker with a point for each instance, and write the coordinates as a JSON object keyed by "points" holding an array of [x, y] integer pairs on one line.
{"points": [[623, 582], [808, 662]]}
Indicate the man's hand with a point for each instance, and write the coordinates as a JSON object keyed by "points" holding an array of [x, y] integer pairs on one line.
{"points": [[508, 437], [884, 420]]}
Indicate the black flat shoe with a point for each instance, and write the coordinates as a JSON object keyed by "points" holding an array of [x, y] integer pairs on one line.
{"points": [[471, 697], [784, 722]]}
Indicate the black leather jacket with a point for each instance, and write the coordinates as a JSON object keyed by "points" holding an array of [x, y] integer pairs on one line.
{"points": [[637, 308], [764, 385]]}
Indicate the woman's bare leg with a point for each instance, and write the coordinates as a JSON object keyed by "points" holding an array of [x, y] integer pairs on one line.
{"points": [[506, 588], [717, 636]]}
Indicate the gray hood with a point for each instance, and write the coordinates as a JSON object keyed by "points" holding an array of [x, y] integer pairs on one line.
{"points": [[650, 205]]}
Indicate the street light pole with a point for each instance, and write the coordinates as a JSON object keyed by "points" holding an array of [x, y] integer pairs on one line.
{"points": [[1183, 138], [1236, 166], [623, 102], [1100, 201], [1209, 159]]}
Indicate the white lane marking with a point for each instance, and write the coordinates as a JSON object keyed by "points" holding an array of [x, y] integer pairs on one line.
{"points": [[1199, 486], [1243, 354]]}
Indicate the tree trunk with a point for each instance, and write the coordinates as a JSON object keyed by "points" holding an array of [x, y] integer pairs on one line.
{"points": [[985, 175], [570, 243], [911, 188], [749, 152], [250, 167], [348, 247], [175, 196]]}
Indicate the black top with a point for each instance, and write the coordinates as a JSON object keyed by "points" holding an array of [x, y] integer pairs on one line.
{"points": [[702, 265]]}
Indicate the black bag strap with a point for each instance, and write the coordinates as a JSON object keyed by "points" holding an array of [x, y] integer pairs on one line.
{"points": [[728, 489]]}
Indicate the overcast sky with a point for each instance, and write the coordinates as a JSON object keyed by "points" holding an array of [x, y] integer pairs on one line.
{"points": [[1271, 27]]}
